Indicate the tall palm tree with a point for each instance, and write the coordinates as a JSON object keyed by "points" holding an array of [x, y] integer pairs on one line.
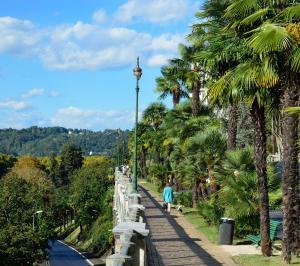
{"points": [[249, 82], [220, 54], [275, 35], [190, 72], [170, 84], [153, 117]]}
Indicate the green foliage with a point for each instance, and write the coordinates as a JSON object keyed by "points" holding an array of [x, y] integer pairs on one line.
{"points": [[101, 234], [23, 191], [159, 175], [54, 171], [183, 198], [38, 141], [6, 162], [16, 200], [211, 210], [20, 246], [87, 192], [71, 159]]}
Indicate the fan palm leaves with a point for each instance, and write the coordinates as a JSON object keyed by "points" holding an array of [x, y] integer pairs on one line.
{"points": [[170, 84], [275, 34]]}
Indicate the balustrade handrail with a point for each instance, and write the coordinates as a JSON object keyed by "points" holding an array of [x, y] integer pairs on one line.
{"points": [[129, 227]]}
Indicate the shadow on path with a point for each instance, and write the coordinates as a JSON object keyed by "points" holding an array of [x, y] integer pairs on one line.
{"points": [[168, 243]]}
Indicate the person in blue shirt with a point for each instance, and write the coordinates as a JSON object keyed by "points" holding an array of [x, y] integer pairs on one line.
{"points": [[168, 195]]}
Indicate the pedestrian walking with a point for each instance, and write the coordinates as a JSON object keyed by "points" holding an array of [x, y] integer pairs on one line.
{"points": [[168, 196]]}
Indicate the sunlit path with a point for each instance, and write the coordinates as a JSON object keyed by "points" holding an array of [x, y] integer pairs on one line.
{"points": [[169, 243]]}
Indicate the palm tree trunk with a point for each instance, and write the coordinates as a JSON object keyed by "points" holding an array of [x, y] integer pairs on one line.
{"points": [[213, 184], [232, 126], [196, 100], [291, 212], [203, 189], [258, 117], [195, 195], [176, 97]]}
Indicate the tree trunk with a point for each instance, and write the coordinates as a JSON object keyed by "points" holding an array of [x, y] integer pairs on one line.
{"points": [[201, 195], [195, 195], [176, 97], [258, 117], [232, 126], [203, 189], [291, 212], [196, 100]]}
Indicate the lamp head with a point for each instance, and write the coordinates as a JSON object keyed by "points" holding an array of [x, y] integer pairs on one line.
{"points": [[137, 71]]}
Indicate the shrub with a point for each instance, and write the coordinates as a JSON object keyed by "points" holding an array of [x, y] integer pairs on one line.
{"points": [[184, 198], [210, 210]]}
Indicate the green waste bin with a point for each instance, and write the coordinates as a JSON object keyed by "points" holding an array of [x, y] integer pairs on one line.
{"points": [[226, 230]]}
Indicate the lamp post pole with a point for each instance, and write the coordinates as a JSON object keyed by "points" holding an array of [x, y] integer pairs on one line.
{"points": [[137, 71], [118, 161]]}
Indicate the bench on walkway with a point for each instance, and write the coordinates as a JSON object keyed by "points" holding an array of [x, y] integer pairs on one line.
{"points": [[274, 225]]}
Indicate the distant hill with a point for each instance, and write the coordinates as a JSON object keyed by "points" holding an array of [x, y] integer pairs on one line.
{"points": [[39, 141]]}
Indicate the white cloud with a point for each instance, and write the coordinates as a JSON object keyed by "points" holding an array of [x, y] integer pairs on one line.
{"points": [[53, 94], [156, 11], [34, 92], [21, 119], [14, 105], [82, 46], [74, 117], [18, 36], [167, 42], [158, 60], [100, 16], [87, 45]]}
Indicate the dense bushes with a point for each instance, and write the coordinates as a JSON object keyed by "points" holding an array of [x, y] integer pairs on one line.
{"points": [[91, 192], [237, 197], [184, 198]]}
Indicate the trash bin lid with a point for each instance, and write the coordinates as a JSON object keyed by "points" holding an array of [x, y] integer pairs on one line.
{"points": [[226, 219]]}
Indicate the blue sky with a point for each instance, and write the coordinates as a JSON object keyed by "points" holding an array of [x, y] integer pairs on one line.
{"points": [[69, 63]]}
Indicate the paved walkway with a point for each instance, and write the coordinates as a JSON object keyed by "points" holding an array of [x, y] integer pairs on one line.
{"points": [[174, 241], [63, 255]]}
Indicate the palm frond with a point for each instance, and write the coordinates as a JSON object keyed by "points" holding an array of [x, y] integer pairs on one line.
{"points": [[241, 8], [258, 15], [291, 13], [294, 60], [293, 110], [270, 37]]}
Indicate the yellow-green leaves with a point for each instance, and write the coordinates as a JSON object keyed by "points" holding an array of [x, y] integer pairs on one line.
{"points": [[270, 37]]}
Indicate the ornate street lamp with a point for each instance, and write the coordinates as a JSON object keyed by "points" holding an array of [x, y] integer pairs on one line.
{"points": [[137, 71]]}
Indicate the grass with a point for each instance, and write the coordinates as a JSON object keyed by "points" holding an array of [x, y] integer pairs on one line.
{"points": [[152, 187], [210, 231], [72, 239], [253, 260]]}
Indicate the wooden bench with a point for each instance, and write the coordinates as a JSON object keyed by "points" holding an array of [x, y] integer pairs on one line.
{"points": [[274, 225]]}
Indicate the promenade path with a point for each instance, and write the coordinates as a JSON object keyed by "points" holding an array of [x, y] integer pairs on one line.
{"points": [[174, 241]]}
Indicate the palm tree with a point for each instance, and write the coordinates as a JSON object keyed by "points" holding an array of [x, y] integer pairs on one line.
{"points": [[169, 84], [190, 72], [153, 117], [210, 146], [220, 54], [275, 35]]}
